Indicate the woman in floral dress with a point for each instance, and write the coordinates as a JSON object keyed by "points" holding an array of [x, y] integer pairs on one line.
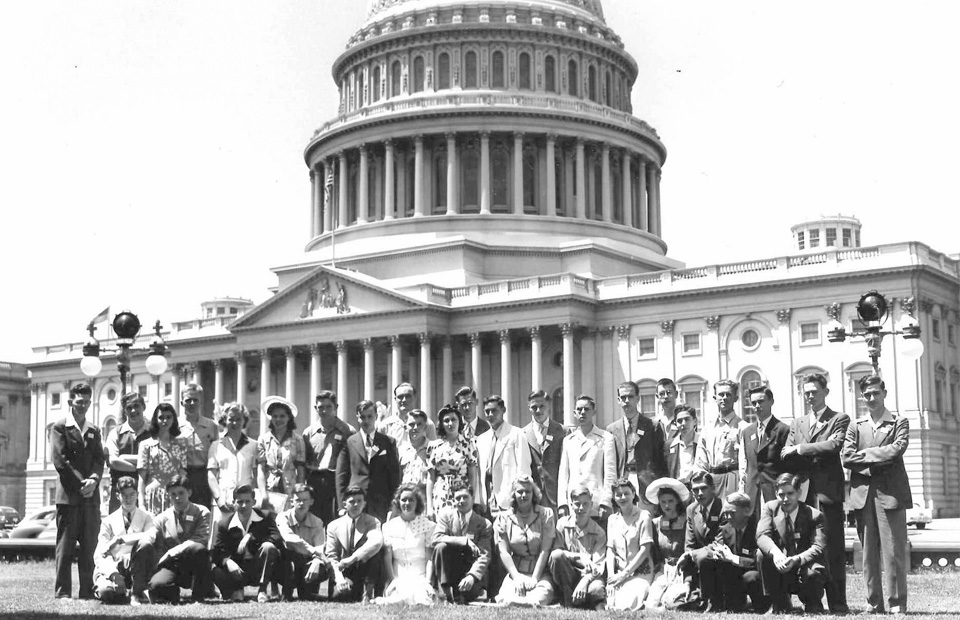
{"points": [[451, 457], [281, 455], [161, 458]]}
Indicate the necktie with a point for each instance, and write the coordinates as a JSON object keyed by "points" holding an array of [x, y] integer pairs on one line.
{"points": [[631, 438], [543, 436], [760, 428], [489, 476], [369, 441], [791, 542], [468, 431], [126, 521], [463, 524], [352, 535], [179, 523]]}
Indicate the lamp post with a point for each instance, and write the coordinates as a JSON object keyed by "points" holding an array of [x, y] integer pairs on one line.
{"points": [[127, 326], [872, 310]]}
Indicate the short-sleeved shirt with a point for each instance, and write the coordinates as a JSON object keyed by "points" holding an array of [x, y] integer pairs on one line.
{"points": [[235, 464], [590, 542], [281, 458], [199, 436], [414, 465], [124, 440], [526, 540], [625, 539], [296, 533], [320, 445]]}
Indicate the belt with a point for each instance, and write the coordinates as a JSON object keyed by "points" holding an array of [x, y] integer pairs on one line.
{"points": [[321, 472], [196, 468], [726, 469]]}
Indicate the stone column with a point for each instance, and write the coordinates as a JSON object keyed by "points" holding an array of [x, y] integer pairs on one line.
{"points": [[264, 387], [518, 173], [396, 362], [314, 380], [175, 370], [536, 361], [426, 374], [551, 179], [368, 368], [388, 181], [314, 200], [290, 375], [241, 361], [506, 376], [581, 212], [328, 195], [569, 388], [342, 399], [447, 374], [196, 374], [644, 223], [453, 200], [364, 192], [568, 179], [342, 211], [217, 382], [319, 176], [655, 217], [623, 351], [476, 361], [606, 197], [485, 173], [626, 178], [419, 206]]}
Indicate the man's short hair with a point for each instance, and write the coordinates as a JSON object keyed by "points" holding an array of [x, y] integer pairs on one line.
{"points": [[464, 392], [788, 479], [365, 404], [244, 489], [588, 398], [81, 389], [326, 395], [132, 397], [685, 409], [191, 387], [405, 385], [457, 485], [581, 489], [733, 385], [354, 490], [739, 499], [303, 488], [418, 414], [668, 383], [494, 398], [126, 482], [815, 377], [702, 476], [537, 394], [182, 481], [870, 381], [631, 386], [760, 389]]}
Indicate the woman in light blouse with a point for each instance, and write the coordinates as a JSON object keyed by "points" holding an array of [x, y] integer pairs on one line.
{"points": [[232, 459], [629, 550], [524, 537], [281, 454], [407, 557]]}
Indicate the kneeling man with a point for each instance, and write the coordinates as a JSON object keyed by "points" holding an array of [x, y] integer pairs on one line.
{"points": [[461, 548], [125, 555], [304, 537], [182, 532], [246, 548], [577, 562], [353, 548]]}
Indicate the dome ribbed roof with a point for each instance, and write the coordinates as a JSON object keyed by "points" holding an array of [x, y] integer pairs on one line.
{"points": [[381, 8]]}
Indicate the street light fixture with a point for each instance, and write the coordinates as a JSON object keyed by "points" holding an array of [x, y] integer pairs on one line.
{"points": [[126, 325], [872, 310]]}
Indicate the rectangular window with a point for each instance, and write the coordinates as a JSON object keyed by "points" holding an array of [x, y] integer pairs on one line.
{"points": [[55, 400], [810, 333], [800, 240], [831, 237], [692, 399], [953, 397], [691, 344], [814, 238], [142, 390], [168, 389], [856, 238], [13, 399], [846, 237], [648, 403], [938, 393], [935, 328], [646, 348], [1, 411]]}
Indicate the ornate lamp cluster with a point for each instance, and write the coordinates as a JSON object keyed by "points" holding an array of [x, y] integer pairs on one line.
{"points": [[126, 325], [872, 310]]}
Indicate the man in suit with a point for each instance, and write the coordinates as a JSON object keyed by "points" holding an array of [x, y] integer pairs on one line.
{"points": [[587, 460], [125, 556], [304, 538], [76, 451], [181, 534], [324, 440], [503, 455], [580, 550], [353, 549], [880, 494], [123, 442], [719, 450], [681, 444], [545, 438], [812, 452], [732, 567], [473, 424], [462, 544], [638, 443], [246, 549], [395, 424], [761, 444], [370, 461], [703, 527], [792, 537]]}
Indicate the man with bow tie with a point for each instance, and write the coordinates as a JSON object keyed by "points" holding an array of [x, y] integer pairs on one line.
{"points": [[461, 548], [371, 462], [324, 440], [638, 443], [125, 555], [76, 450], [761, 444], [545, 438], [812, 452]]}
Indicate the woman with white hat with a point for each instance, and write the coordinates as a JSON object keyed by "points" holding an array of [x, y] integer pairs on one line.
{"points": [[281, 454], [669, 526]]}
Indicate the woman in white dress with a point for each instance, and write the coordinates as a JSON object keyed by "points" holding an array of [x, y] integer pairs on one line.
{"points": [[232, 460], [629, 550], [407, 553]]}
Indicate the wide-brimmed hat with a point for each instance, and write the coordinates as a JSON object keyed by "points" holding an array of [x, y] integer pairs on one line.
{"points": [[653, 489], [272, 400]]}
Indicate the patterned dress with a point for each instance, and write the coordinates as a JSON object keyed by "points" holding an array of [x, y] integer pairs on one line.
{"points": [[449, 463], [281, 457], [158, 465]]}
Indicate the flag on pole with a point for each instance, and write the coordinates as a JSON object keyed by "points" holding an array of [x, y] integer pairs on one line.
{"points": [[103, 316]]}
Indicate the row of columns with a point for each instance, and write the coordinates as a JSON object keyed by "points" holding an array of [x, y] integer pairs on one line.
{"points": [[330, 184]]}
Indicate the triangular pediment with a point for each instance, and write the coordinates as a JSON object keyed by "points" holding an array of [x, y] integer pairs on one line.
{"points": [[323, 294]]}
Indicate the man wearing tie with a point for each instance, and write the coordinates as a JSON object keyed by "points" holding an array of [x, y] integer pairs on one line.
{"points": [[703, 527], [324, 440], [587, 460], [760, 446], [353, 546], [734, 569], [812, 452], [545, 438], [181, 536], [719, 450], [638, 443], [125, 556], [503, 455], [473, 425], [371, 462], [461, 548]]}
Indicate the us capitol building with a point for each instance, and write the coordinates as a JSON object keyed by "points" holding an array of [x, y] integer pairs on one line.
{"points": [[486, 211]]}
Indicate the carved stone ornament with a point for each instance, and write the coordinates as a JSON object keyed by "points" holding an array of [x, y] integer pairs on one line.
{"points": [[713, 322], [926, 305], [323, 302], [833, 310], [623, 331], [667, 326], [783, 316]]}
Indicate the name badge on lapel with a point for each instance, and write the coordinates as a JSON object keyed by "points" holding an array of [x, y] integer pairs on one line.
{"points": [[640, 432], [188, 517], [374, 451], [796, 535], [549, 437], [754, 437], [713, 517], [338, 437]]}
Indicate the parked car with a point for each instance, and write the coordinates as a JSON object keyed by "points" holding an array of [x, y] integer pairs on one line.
{"points": [[41, 523], [919, 516], [8, 517]]}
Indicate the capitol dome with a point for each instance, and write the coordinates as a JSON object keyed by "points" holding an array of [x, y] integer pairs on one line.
{"points": [[377, 9]]}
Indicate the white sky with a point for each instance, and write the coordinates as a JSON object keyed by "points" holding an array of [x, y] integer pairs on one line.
{"points": [[151, 153]]}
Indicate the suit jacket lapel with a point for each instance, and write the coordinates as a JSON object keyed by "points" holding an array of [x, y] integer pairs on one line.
{"points": [[532, 438], [585, 445], [359, 445], [501, 441]]}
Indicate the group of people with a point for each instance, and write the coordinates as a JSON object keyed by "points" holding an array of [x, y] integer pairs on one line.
{"points": [[650, 512]]}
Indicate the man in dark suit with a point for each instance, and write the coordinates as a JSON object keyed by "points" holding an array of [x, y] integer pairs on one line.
{"points": [[324, 441], [880, 494], [680, 444], [761, 445], [638, 443], [246, 548], [353, 548], [473, 424], [461, 548], [734, 569], [792, 537], [370, 461], [703, 526], [76, 450], [545, 438], [812, 452], [181, 535]]}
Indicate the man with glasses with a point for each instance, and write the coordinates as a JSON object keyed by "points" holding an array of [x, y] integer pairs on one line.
{"points": [[473, 424], [666, 403], [199, 432], [545, 438], [395, 424], [324, 439], [123, 442], [638, 446]]}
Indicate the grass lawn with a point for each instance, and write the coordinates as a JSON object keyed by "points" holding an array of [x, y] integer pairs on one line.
{"points": [[27, 594]]}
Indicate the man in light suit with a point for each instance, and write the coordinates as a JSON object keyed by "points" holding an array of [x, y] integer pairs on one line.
{"points": [[125, 557], [461, 548], [545, 438], [638, 443], [761, 444], [504, 456], [371, 462], [473, 424], [792, 537], [718, 452], [181, 536], [880, 494], [76, 450], [812, 451], [587, 460], [353, 548]]}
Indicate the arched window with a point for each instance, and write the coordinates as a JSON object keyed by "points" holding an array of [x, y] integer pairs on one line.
{"points": [[470, 70], [497, 70], [648, 396], [108, 425], [855, 372], [470, 167], [592, 83], [550, 74], [691, 391], [418, 74], [525, 71], [395, 78], [572, 78], [748, 381], [608, 90], [375, 85], [443, 71]]}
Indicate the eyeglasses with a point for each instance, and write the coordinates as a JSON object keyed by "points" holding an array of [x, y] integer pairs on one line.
{"points": [[537, 407], [191, 400]]}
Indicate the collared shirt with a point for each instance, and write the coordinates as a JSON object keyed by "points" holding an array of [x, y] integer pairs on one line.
{"points": [[72, 421], [235, 464], [320, 454], [686, 455], [886, 418], [199, 436], [470, 428], [590, 542], [236, 521], [124, 440], [298, 534], [394, 426], [414, 465]]}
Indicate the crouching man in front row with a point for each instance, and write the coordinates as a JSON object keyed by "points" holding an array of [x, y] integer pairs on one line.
{"points": [[125, 554], [461, 548], [353, 548], [577, 562], [182, 532], [303, 534]]}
